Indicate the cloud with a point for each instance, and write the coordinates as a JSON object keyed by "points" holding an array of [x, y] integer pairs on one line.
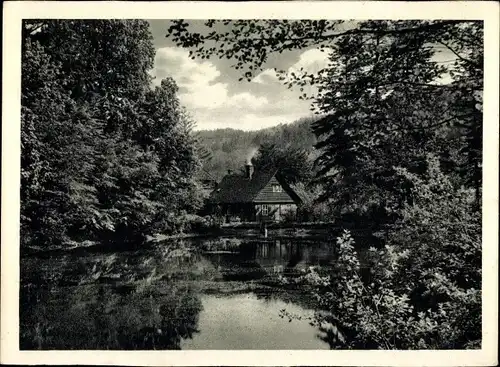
{"points": [[311, 61], [248, 100], [205, 96], [266, 77], [197, 80], [447, 58], [173, 61], [216, 99]]}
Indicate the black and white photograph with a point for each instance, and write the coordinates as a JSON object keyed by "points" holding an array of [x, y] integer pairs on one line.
{"points": [[265, 184]]}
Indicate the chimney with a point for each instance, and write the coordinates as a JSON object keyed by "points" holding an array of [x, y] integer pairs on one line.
{"points": [[248, 169]]}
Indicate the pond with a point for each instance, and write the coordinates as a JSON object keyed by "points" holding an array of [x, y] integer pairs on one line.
{"points": [[220, 293]]}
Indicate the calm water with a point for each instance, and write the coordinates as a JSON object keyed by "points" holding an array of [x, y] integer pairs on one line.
{"points": [[203, 294]]}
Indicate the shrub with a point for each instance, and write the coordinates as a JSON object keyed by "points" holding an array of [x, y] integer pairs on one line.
{"points": [[310, 209], [423, 289], [188, 223], [203, 224], [289, 216]]}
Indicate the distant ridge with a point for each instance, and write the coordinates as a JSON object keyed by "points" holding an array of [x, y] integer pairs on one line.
{"points": [[230, 148]]}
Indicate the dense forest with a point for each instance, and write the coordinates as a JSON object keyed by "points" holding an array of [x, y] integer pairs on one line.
{"points": [[104, 156], [108, 158]]}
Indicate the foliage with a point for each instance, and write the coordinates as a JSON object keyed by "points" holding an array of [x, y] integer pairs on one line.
{"points": [[103, 154], [289, 216], [292, 164], [391, 96], [406, 112], [388, 96], [221, 244], [310, 210], [419, 287]]}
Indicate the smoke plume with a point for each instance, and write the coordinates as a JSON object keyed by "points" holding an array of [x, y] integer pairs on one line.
{"points": [[251, 154]]}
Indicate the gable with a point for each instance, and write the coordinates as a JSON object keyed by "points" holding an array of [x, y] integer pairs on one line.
{"points": [[268, 194]]}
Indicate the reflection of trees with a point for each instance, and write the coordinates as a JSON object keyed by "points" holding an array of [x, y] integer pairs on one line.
{"points": [[136, 300], [258, 259], [236, 267], [173, 322], [98, 317], [109, 301], [296, 255]]}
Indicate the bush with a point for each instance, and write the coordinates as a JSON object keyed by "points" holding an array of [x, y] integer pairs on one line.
{"points": [[205, 224], [423, 289], [289, 216], [234, 219], [187, 223]]}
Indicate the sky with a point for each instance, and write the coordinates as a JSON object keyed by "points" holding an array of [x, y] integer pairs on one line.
{"points": [[211, 92]]}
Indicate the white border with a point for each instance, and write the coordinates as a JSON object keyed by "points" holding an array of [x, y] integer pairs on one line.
{"points": [[14, 12]]}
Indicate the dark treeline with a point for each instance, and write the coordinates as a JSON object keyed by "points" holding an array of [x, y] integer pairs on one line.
{"points": [[104, 155], [399, 150]]}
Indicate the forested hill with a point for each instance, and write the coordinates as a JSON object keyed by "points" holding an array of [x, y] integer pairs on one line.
{"points": [[230, 148]]}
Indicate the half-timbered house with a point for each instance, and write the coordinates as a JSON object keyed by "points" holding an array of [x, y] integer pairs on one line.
{"points": [[255, 196]]}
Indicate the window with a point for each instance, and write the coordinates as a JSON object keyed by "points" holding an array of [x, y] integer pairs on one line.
{"points": [[277, 188], [265, 209]]}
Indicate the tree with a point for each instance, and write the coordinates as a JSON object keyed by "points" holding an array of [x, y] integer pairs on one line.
{"points": [[381, 94], [54, 150], [104, 155], [230, 148], [413, 293], [389, 101], [292, 164]]}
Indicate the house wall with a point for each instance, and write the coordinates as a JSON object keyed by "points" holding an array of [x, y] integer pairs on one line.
{"points": [[276, 212], [239, 212], [279, 204], [254, 212]]}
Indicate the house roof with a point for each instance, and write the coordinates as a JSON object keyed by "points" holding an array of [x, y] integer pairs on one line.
{"points": [[204, 175], [237, 188]]}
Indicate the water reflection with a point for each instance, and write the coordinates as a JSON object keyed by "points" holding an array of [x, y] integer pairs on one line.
{"points": [[258, 258], [99, 317], [132, 300], [172, 296]]}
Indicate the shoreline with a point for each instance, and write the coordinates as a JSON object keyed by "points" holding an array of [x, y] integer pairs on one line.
{"points": [[313, 231]]}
